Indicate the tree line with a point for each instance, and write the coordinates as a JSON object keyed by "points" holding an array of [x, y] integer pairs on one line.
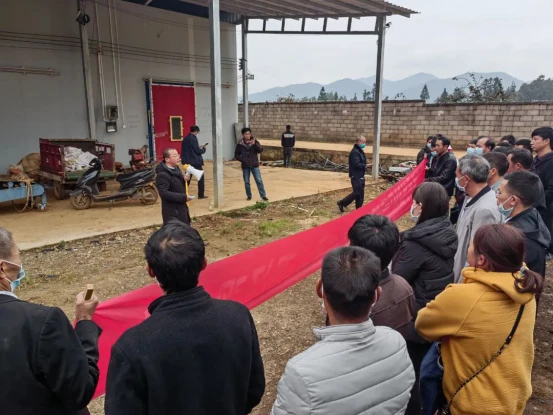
{"points": [[473, 91]]}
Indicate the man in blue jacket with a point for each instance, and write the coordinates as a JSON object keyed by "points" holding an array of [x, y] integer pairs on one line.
{"points": [[191, 153], [357, 168]]}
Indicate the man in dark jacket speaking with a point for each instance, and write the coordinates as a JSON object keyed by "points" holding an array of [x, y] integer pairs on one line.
{"points": [[172, 189], [191, 153], [246, 153], [194, 354], [46, 366], [288, 141], [357, 168], [444, 166]]}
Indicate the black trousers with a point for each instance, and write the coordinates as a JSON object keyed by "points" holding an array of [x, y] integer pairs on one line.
{"points": [[358, 193], [201, 182], [287, 155]]}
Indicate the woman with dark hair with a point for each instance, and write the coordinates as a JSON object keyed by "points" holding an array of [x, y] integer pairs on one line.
{"points": [[425, 260], [486, 326]]}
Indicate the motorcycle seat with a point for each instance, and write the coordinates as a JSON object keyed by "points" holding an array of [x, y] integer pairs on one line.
{"points": [[134, 175]]}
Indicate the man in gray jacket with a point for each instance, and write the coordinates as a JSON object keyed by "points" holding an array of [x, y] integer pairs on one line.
{"points": [[479, 208], [355, 367]]}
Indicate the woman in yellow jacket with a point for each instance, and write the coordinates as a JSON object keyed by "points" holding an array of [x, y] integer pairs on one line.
{"points": [[473, 319]]}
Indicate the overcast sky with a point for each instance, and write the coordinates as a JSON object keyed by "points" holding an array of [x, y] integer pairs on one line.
{"points": [[447, 38]]}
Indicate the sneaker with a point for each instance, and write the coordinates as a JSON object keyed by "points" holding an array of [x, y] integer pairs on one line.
{"points": [[249, 198], [265, 199], [340, 207]]}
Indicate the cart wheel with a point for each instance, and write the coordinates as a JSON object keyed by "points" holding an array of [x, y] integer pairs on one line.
{"points": [[81, 202], [59, 190], [149, 195]]}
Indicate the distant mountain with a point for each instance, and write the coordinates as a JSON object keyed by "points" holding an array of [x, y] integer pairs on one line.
{"points": [[410, 87]]}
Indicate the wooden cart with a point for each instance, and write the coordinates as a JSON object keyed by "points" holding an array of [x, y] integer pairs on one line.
{"points": [[52, 163]]}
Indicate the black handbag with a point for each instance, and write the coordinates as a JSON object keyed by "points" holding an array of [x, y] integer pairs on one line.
{"points": [[446, 410]]}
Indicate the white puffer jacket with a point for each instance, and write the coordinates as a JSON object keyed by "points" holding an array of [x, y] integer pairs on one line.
{"points": [[352, 369]]}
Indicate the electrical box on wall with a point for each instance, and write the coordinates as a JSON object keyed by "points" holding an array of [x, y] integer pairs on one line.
{"points": [[112, 112]]}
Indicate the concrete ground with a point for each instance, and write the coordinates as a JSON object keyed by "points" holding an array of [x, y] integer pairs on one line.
{"points": [[394, 151], [63, 223]]}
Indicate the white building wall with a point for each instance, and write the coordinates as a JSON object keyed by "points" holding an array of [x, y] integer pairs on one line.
{"points": [[154, 43]]}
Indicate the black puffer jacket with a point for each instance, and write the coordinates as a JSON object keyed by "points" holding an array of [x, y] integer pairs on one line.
{"points": [[172, 190], [425, 258], [247, 154]]}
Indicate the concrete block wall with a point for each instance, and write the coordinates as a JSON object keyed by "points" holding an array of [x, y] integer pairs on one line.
{"points": [[404, 123]]}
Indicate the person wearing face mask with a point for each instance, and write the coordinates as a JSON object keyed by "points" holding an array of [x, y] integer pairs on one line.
{"points": [[443, 166], [357, 169], [354, 367], [495, 307], [426, 150], [472, 149], [193, 354], [425, 261], [479, 207], [499, 164], [47, 366], [516, 197]]}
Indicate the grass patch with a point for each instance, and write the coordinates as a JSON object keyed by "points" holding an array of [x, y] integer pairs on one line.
{"points": [[279, 227], [257, 206]]}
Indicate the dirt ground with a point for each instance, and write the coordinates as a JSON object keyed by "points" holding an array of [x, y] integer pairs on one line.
{"points": [[63, 223], [114, 263]]}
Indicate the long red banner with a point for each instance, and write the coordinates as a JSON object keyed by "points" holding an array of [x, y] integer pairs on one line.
{"points": [[270, 269]]}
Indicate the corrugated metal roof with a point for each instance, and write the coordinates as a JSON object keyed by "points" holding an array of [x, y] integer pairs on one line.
{"points": [[267, 9], [233, 10]]}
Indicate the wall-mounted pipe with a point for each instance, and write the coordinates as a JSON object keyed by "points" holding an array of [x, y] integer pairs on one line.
{"points": [[100, 64], [29, 71]]}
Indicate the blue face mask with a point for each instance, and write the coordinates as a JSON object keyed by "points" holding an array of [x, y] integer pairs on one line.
{"points": [[429, 145], [478, 151], [20, 276], [461, 188], [362, 145], [505, 212], [434, 153], [470, 150]]}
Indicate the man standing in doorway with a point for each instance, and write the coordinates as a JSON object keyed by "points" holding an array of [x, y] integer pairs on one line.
{"points": [[443, 166], [543, 167], [288, 142], [357, 168], [191, 153], [172, 189], [247, 152]]}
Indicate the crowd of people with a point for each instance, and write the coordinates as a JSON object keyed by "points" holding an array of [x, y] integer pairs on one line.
{"points": [[437, 319]]}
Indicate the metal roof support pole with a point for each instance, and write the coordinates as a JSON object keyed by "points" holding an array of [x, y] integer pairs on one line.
{"points": [[378, 96], [216, 107], [245, 80], [89, 91]]}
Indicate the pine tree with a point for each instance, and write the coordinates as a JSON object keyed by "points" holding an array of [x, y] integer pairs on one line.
{"points": [[444, 98], [336, 97], [354, 97], [322, 95], [425, 95], [365, 95]]}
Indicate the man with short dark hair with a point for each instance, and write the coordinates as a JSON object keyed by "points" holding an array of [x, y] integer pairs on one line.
{"points": [[516, 197], [443, 165], [288, 141], [354, 367], [502, 147], [247, 153], [486, 144], [498, 168], [524, 143], [46, 365], [194, 354], [509, 139], [172, 189], [519, 159], [479, 207], [543, 167], [396, 306], [191, 153], [357, 163]]}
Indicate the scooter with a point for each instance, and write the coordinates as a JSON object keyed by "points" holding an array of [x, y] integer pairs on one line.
{"points": [[136, 185]]}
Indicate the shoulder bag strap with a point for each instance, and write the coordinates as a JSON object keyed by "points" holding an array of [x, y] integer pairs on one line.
{"points": [[446, 410]]}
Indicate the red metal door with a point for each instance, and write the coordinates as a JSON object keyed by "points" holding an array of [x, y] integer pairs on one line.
{"points": [[171, 101]]}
